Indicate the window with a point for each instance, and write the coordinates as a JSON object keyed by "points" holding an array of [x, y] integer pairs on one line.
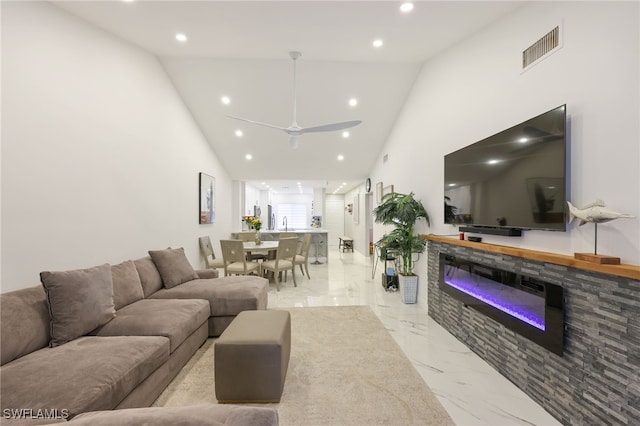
{"points": [[296, 215]]}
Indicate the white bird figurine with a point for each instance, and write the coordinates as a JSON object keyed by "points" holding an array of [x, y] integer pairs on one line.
{"points": [[595, 212]]}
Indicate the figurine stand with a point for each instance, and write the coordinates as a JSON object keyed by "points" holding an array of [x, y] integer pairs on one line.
{"points": [[595, 257]]}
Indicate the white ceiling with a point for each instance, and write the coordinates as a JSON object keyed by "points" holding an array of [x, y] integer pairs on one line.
{"points": [[240, 49]]}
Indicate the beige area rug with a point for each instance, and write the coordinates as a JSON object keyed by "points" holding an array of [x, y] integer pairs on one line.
{"points": [[345, 369]]}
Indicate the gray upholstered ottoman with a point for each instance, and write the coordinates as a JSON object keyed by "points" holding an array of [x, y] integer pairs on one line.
{"points": [[252, 356]]}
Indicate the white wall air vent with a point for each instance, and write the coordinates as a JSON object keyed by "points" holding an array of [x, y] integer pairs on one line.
{"points": [[549, 43]]}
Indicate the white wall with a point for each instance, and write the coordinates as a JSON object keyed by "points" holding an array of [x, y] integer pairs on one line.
{"points": [[100, 157], [358, 231], [476, 89], [334, 220]]}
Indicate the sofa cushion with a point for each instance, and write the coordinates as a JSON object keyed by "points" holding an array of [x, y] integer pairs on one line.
{"points": [[87, 374], [173, 265], [227, 295], [24, 322], [79, 301], [126, 284], [196, 415], [175, 319], [149, 276]]}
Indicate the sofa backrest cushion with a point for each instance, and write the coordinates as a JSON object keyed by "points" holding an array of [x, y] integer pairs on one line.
{"points": [[149, 276], [126, 284], [173, 265], [79, 301], [24, 322]]}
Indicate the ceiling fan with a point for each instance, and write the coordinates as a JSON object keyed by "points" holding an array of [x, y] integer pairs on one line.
{"points": [[294, 130]]}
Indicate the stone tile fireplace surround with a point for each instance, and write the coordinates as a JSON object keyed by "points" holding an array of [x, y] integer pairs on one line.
{"points": [[597, 380]]}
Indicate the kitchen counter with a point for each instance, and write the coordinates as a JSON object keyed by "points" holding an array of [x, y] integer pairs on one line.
{"points": [[279, 231]]}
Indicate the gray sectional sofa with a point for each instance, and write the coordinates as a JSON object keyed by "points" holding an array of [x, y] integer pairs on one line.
{"points": [[112, 337]]}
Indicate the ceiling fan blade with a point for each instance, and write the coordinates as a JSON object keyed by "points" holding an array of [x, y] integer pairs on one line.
{"points": [[284, 129], [331, 127], [294, 130]]}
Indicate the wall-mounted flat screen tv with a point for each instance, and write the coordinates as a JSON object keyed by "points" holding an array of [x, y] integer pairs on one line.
{"points": [[515, 179]]}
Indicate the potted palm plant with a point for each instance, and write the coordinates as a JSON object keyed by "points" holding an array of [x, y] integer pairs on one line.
{"points": [[402, 211]]}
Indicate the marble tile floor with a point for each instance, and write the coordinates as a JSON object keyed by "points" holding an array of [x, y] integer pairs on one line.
{"points": [[472, 392]]}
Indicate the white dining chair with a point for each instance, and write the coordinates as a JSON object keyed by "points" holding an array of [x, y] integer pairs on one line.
{"points": [[302, 258], [283, 262], [210, 260], [235, 259]]}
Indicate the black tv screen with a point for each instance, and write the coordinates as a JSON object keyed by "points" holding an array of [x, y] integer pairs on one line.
{"points": [[514, 179]]}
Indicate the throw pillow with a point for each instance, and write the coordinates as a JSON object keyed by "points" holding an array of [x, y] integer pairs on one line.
{"points": [[127, 287], [79, 301], [173, 265], [149, 275]]}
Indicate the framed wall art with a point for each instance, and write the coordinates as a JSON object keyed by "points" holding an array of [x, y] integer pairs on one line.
{"points": [[207, 199], [379, 192]]}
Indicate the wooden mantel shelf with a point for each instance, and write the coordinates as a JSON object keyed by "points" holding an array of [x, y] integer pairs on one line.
{"points": [[628, 271]]}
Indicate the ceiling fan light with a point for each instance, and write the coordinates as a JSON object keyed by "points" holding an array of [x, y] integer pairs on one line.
{"points": [[293, 141]]}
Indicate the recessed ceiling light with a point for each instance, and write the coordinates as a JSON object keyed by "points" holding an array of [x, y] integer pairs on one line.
{"points": [[353, 102], [225, 100], [181, 37], [406, 7], [493, 162], [377, 43], [345, 134], [239, 133], [340, 157], [523, 140], [248, 156]]}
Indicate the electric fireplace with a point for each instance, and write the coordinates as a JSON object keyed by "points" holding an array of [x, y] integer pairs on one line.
{"points": [[531, 307]]}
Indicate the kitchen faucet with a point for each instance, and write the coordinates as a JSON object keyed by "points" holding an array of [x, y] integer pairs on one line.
{"points": [[285, 223]]}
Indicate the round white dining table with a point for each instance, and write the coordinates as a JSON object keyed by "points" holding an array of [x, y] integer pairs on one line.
{"points": [[265, 246]]}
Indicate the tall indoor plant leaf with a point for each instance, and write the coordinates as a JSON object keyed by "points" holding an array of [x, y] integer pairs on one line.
{"points": [[401, 211]]}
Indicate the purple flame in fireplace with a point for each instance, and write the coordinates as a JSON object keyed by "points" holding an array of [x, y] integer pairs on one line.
{"points": [[517, 303]]}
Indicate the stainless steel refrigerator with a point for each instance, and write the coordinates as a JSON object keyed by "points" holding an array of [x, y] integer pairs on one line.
{"points": [[271, 218]]}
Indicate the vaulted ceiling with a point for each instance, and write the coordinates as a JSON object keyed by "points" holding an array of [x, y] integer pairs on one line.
{"points": [[239, 49]]}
